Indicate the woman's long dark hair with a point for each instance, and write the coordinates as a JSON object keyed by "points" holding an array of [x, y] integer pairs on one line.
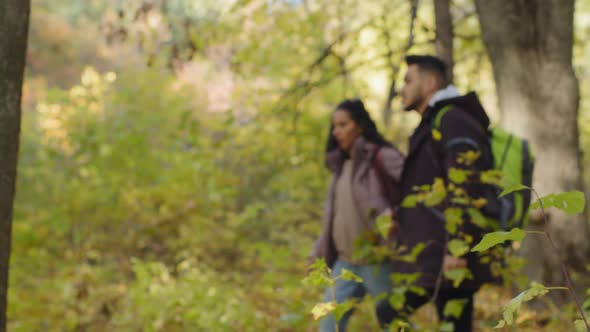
{"points": [[356, 109]]}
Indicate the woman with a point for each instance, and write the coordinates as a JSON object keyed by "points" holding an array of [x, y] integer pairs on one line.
{"points": [[365, 172]]}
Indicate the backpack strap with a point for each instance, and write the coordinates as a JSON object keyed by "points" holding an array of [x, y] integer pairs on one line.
{"points": [[505, 153], [436, 134], [438, 118]]}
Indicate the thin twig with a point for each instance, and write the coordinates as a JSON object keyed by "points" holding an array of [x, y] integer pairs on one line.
{"points": [[438, 283], [535, 232], [563, 267]]}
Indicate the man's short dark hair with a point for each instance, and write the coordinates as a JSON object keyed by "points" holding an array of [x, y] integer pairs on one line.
{"points": [[430, 64]]}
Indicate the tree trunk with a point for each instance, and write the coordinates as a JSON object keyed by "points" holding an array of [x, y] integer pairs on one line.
{"points": [[14, 23], [444, 35], [530, 46], [392, 91]]}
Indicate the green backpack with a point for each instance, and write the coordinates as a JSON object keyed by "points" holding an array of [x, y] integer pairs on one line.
{"points": [[513, 157]]}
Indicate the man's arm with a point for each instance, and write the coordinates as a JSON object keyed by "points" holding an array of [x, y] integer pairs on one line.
{"points": [[462, 146]]}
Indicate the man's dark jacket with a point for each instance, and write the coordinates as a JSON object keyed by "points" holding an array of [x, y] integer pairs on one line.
{"points": [[462, 128]]}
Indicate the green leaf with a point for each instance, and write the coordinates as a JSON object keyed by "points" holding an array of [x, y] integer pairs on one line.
{"points": [[458, 247], [417, 290], [319, 265], [458, 176], [447, 327], [342, 308], [404, 278], [437, 195], [399, 324], [453, 218], [362, 249], [410, 201], [454, 308], [571, 202], [383, 224], [413, 255], [479, 203], [425, 187], [580, 326], [513, 306], [492, 177], [319, 275], [500, 324], [350, 276], [460, 201], [458, 275], [477, 218], [379, 297], [512, 188], [468, 157], [322, 309], [397, 299], [494, 238]]}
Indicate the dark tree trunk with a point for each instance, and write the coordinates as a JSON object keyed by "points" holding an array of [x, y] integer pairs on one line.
{"points": [[444, 34], [14, 23], [530, 46]]}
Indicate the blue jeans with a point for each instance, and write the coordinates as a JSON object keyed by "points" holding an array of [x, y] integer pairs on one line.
{"points": [[376, 281]]}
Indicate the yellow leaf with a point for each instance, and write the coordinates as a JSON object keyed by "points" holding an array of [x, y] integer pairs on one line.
{"points": [[469, 157], [436, 135], [322, 309], [479, 203]]}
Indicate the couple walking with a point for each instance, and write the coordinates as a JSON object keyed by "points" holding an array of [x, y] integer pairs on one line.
{"points": [[370, 177]]}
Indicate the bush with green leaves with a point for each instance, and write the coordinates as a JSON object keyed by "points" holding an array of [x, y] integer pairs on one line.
{"points": [[135, 201]]}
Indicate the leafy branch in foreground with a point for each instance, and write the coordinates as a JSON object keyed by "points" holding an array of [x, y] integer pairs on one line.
{"points": [[571, 203], [320, 276]]}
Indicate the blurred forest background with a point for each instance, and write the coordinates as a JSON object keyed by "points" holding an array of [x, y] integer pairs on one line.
{"points": [[171, 172]]}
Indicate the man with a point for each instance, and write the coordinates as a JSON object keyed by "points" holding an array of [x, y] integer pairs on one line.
{"points": [[451, 126]]}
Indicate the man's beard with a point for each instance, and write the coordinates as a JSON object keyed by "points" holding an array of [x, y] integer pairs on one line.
{"points": [[414, 105]]}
